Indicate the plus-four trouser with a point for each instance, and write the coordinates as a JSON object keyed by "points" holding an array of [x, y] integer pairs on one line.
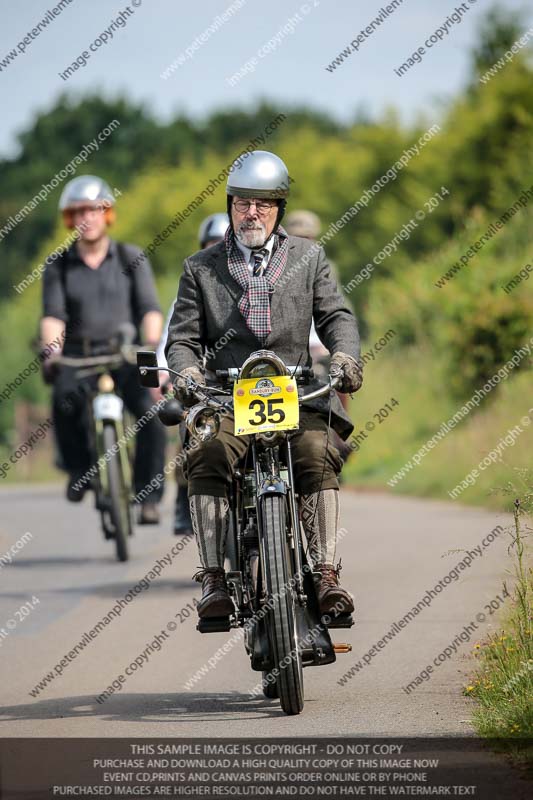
{"points": [[210, 519], [320, 518], [209, 469], [71, 426]]}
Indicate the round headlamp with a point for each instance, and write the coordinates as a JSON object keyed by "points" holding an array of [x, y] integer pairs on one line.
{"points": [[203, 422], [263, 364]]}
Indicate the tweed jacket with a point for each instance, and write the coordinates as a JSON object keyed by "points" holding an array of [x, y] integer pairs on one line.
{"points": [[206, 321]]}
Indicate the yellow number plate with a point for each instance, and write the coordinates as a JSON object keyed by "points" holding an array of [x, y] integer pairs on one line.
{"points": [[265, 404]]}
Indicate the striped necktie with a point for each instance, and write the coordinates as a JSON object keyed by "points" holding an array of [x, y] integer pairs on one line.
{"points": [[258, 256]]}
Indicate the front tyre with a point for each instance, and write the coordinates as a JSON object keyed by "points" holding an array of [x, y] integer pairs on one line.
{"points": [[283, 631], [119, 508]]}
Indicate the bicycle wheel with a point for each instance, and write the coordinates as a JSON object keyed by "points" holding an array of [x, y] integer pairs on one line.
{"points": [[119, 508], [284, 636]]}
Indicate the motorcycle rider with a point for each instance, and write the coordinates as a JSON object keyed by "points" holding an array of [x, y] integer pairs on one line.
{"points": [[211, 231], [304, 223], [88, 296], [268, 286]]}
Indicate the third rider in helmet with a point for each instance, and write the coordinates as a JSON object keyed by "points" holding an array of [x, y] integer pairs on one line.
{"points": [[259, 282]]}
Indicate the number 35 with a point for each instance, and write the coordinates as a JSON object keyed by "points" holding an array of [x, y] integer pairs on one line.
{"points": [[272, 415]]}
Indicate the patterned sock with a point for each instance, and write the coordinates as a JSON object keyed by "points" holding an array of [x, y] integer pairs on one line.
{"points": [[320, 518], [210, 518]]}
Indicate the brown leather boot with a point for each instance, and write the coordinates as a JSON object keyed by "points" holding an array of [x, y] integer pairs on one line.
{"points": [[331, 598], [216, 601]]}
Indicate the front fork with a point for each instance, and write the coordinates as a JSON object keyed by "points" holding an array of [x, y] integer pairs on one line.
{"points": [[123, 452], [295, 539]]}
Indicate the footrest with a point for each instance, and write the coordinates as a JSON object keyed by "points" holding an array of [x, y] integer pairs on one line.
{"points": [[213, 625], [341, 621]]}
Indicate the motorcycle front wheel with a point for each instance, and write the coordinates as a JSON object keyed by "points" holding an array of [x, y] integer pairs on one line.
{"points": [[287, 657], [119, 507]]}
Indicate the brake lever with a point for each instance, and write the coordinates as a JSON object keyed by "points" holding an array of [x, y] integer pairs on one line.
{"points": [[335, 374], [202, 391], [207, 391]]}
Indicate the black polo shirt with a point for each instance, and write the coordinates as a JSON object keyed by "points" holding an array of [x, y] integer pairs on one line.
{"points": [[94, 302]]}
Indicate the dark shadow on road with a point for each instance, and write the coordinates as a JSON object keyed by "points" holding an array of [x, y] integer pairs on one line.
{"points": [[113, 590], [147, 708], [57, 561]]}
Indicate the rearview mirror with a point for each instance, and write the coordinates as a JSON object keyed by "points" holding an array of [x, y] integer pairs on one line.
{"points": [[148, 370]]}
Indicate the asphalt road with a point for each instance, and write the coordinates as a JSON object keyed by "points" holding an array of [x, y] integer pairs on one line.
{"points": [[394, 550]]}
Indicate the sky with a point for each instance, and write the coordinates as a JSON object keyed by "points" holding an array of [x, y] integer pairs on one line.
{"points": [[272, 49]]}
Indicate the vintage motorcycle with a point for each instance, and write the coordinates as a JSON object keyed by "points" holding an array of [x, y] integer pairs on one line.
{"points": [[269, 577], [111, 451]]}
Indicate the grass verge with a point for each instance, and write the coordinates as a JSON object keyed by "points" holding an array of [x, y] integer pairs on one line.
{"points": [[503, 682], [419, 386]]}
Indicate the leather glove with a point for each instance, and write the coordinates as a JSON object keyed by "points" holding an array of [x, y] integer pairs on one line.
{"points": [[350, 369], [183, 393]]}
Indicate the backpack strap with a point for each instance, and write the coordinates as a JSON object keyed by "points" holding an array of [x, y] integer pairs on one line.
{"points": [[125, 261], [62, 264], [123, 258]]}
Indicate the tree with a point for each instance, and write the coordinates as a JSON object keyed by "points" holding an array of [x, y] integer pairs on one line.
{"points": [[498, 31]]}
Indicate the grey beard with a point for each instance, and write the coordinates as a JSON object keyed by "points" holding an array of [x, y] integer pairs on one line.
{"points": [[251, 238]]}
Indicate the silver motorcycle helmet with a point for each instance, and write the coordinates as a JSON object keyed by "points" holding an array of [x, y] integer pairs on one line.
{"points": [[259, 174], [86, 189], [213, 227]]}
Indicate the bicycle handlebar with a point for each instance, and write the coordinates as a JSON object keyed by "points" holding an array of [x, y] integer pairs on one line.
{"points": [[127, 353]]}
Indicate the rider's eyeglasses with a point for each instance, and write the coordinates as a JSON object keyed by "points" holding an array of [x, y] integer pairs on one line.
{"points": [[261, 206], [88, 209]]}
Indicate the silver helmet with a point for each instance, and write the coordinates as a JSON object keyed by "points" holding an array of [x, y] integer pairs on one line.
{"points": [[303, 223], [88, 189], [213, 227], [258, 174]]}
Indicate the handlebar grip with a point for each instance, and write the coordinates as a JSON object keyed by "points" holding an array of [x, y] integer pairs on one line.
{"points": [[222, 374]]}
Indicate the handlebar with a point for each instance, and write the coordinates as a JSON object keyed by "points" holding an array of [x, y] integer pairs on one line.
{"points": [[127, 353], [232, 373], [205, 392], [334, 381], [89, 361]]}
